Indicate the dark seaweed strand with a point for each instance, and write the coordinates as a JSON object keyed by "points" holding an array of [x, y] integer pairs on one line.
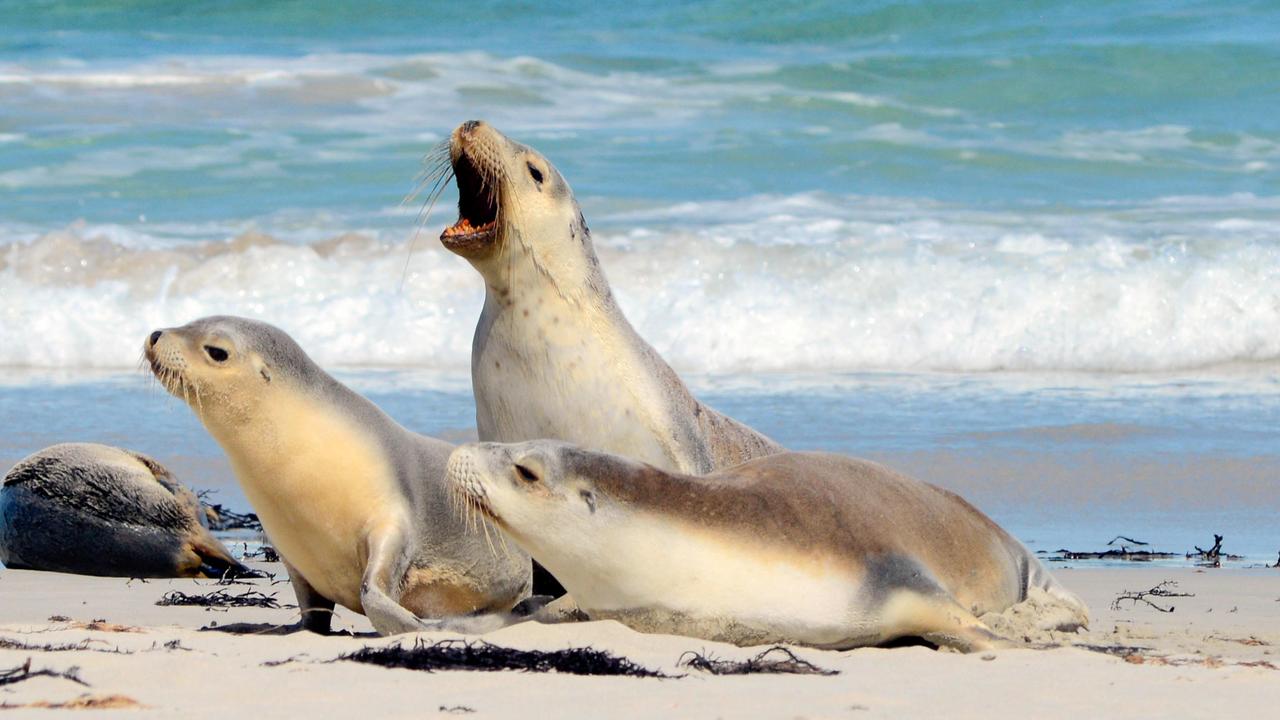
{"points": [[83, 645], [483, 656], [228, 519], [776, 659], [12, 676], [219, 598]]}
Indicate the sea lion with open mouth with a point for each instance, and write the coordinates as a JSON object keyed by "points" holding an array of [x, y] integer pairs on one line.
{"points": [[553, 355]]}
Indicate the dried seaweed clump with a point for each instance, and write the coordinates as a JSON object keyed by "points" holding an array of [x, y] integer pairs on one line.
{"points": [[266, 553], [483, 656], [224, 519], [83, 645], [776, 659], [219, 599]]}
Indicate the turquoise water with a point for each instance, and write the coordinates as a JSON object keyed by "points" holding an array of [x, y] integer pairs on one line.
{"points": [[1060, 465], [1042, 186], [1029, 250], [128, 109]]}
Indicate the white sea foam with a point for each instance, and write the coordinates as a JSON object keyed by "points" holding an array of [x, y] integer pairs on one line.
{"points": [[786, 283]]}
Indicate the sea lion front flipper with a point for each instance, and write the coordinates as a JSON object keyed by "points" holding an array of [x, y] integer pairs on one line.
{"points": [[939, 619], [540, 610], [388, 558], [316, 609]]}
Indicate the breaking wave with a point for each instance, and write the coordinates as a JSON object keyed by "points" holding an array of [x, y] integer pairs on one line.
{"points": [[767, 283]]}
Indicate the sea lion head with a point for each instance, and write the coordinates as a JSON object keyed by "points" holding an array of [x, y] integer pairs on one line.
{"points": [[530, 490], [226, 367], [511, 199]]}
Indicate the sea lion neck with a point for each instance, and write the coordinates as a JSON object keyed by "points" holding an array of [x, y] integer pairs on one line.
{"points": [[530, 265]]}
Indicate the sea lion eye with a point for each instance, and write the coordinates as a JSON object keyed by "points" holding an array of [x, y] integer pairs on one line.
{"points": [[589, 498], [535, 173], [526, 474], [215, 353]]}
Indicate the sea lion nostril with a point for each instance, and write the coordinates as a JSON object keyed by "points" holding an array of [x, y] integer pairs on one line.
{"points": [[155, 337], [470, 126]]}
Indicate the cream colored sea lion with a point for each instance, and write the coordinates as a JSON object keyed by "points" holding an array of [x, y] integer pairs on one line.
{"points": [[93, 509], [553, 355], [355, 504], [810, 548]]}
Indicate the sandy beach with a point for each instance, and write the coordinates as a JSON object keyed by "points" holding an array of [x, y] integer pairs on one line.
{"points": [[1216, 654]]}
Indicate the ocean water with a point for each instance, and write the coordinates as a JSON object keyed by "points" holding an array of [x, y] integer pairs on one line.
{"points": [[1027, 250]]}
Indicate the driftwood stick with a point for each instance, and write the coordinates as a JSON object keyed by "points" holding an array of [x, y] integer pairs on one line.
{"points": [[1213, 552], [1164, 590], [22, 672], [1126, 539]]}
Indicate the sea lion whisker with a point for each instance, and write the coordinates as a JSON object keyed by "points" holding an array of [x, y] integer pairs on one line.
{"points": [[430, 168], [429, 180], [458, 503], [464, 512], [434, 165], [199, 402], [488, 540], [437, 189], [144, 366], [502, 539], [440, 184]]}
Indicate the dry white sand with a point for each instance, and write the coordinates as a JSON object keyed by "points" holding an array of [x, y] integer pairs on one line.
{"points": [[1216, 655]]}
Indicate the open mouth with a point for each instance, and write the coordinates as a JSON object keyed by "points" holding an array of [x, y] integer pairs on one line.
{"points": [[477, 208]]}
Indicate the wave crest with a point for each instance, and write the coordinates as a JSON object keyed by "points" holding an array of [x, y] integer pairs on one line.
{"points": [[791, 283]]}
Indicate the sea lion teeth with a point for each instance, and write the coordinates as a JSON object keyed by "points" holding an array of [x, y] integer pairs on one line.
{"points": [[464, 227]]}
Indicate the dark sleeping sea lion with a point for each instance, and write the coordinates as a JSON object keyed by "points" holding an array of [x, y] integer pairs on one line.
{"points": [[99, 510]]}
